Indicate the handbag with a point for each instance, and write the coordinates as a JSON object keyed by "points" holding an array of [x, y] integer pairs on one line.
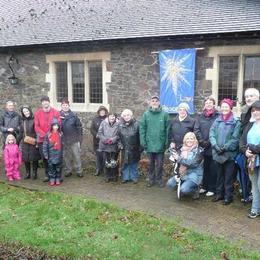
{"points": [[28, 139]]}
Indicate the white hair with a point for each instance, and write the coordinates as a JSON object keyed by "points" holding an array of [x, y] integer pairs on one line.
{"points": [[253, 91], [127, 111]]}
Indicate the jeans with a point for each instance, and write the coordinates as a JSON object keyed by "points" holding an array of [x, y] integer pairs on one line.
{"points": [[225, 179], [209, 174], [187, 186], [155, 167], [130, 172], [54, 171], [71, 154], [255, 179]]}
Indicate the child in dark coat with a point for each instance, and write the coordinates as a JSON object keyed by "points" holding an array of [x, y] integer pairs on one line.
{"points": [[52, 150]]}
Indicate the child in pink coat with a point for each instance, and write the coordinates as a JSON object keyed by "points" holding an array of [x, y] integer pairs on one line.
{"points": [[12, 158]]}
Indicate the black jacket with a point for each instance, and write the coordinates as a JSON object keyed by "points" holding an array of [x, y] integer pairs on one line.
{"points": [[95, 124], [129, 139], [201, 130], [71, 127], [179, 128], [11, 120]]}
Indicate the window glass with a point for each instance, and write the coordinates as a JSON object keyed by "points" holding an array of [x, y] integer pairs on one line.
{"points": [[61, 80], [228, 77], [252, 72], [95, 81], [78, 82]]}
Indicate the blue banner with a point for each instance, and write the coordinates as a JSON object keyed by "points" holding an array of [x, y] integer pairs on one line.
{"points": [[177, 79]]}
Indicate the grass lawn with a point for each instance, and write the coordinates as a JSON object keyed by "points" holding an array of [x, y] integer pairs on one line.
{"points": [[76, 227]]}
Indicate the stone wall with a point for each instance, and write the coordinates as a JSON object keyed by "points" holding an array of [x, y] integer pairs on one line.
{"points": [[135, 75]]}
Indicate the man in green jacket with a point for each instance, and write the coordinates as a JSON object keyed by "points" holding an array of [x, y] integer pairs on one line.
{"points": [[154, 128]]}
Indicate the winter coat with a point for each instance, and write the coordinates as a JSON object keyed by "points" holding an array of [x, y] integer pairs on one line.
{"points": [[52, 155], [11, 120], [71, 127], [194, 164], [226, 135], [12, 159], [201, 130], [29, 152], [154, 130], [243, 145], [42, 122], [179, 128], [95, 124], [129, 139], [107, 131]]}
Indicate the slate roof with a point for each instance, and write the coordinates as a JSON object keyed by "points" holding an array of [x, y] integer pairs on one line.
{"points": [[30, 22]]}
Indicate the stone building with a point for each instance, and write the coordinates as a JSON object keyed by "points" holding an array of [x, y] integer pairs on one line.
{"points": [[105, 52]]}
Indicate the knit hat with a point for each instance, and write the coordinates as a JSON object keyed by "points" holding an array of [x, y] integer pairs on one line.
{"points": [[228, 101], [155, 97], [184, 105], [256, 104], [65, 101], [45, 98]]}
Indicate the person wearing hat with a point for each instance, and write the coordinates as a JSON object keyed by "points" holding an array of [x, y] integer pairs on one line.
{"points": [[10, 122], [72, 138], [52, 151], [101, 115], [180, 125], [250, 146], [43, 118], [108, 145], [154, 130], [224, 138]]}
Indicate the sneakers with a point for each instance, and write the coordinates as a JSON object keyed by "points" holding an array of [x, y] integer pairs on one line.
{"points": [[68, 174], [52, 183], [209, 193], [10, 179], [57, 183], [202, 191], [253, 214]]}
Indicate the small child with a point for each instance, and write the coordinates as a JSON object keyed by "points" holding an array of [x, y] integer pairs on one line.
{"points": [[52, 150], [12, 158]]}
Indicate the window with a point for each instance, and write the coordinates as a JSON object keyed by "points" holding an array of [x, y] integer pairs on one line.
{"points": [[252, 72], [228, 77], [235, 68], [81, 78]]}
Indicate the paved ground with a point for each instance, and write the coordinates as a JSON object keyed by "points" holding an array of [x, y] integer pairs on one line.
{"points": [[202, 215]]}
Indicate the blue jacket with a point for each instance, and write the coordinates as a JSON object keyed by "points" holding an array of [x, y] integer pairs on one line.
{"points": [[194, 164], [52, 155], [226, 135]]}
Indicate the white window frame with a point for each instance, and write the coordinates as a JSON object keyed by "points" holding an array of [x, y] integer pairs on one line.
{"points": [[213, 74], [85, 57]]}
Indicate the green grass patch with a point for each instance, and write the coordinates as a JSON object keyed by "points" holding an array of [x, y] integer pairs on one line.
{"points": [[76, 227]]}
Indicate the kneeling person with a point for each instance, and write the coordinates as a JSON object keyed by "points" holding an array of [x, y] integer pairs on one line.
{"points": [[190, 163]]}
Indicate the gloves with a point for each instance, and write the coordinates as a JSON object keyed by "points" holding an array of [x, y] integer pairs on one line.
{"points": [[205, 144], [219, 150], [120, 147]]}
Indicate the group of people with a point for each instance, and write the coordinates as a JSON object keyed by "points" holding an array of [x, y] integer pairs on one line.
{"points": [[206, 146], [51, 135]]}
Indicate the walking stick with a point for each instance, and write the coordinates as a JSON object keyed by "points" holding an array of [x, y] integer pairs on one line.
{"points": [[120, 163]]}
